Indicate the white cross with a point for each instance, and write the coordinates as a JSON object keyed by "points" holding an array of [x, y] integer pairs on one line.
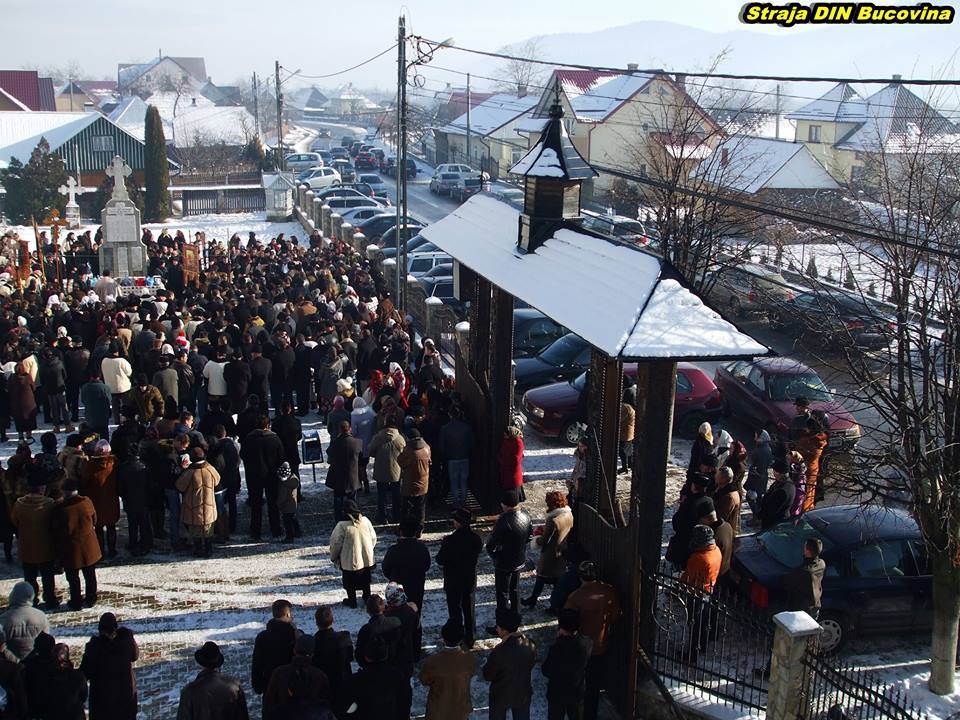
{"points": [[71, 190], [118, 170]]}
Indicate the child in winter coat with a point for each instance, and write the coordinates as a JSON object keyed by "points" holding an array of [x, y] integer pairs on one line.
{"points": [[287, 503]]}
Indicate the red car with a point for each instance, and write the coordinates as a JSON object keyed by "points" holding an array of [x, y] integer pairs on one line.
{"points": [[551, 410], [365, 160], [762, 392]]}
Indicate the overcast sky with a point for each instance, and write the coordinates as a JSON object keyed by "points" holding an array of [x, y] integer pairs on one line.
{"points": [[237, 36]]}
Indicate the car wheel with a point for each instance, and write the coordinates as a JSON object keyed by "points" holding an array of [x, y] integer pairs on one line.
{"points": [[571, 433], [835, 633], [736, 308]]}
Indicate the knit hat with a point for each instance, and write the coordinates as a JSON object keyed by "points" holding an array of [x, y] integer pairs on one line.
{"points": [[394, 594], [101, 448], [209, 656], [704, 506], [344, 384], [284, 471], [338, 402], [701, 537]]}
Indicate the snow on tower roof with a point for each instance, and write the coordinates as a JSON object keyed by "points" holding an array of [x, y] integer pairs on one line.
{"points": [[554, 156], [627, 303]]}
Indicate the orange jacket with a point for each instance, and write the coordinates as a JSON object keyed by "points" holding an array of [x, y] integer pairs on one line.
{"points": [[703, 568]]}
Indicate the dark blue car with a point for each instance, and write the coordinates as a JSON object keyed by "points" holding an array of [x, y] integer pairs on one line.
{"points": [[877, 578]]}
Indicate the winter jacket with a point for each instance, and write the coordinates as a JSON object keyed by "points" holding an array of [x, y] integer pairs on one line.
{"points": [[96, 400], [124, 441], [407, 562], [414, 461], [98, 481], [150, 403], [216, 384], [32, 516], [510, 462], [507, 544], [628, 421], [212, 696], [352, 544], [385, 448], [133, 484], [75, 533], [11, 682], [298, 673], [53, 376], [54, 693], [21, 622], [23, 403], [224, 456], [290, 431], [448, 674], [803, 586], [287, 494], [380, 626], [724, 537], [197, 484], [363, 422], [272, 648], [108, 665], [683, 522], [703, 568], [761, 458], [333, 653], [343, 456], [508, 670], [262, 453], [458, 555], [775, 506], [257, 375], [726, 501], [456, 440], [558, 525], [167, 381], [116, 373], [381, 692], [408, 647], [599, 611], [565, 667]]}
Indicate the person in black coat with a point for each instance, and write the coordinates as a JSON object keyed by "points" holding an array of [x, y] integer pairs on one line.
{"points": [[776, 503], [216, 415], [262, 453], [108, 664], [11, 682], [507, 546], [55, 690], [333, 653], [343, 475], [688, 514], [224, 455], [379, 626], [290, 429], [380, 691], [302, 374], [133, 484], [76, 360], [407, 561], [458, 555], [260, 368], [273, 646], [212, 694], [407, 650], [565, 668], [281, 373], [238, 374]]}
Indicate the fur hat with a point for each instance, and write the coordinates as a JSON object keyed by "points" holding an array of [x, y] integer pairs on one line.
{"points": [[701, 537]]}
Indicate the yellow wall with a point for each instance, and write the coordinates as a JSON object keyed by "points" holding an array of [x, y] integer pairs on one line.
{"points": [[839, 163]]}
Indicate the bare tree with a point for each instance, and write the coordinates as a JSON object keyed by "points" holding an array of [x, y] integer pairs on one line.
{"points": [[519, 75], [70, 70]]}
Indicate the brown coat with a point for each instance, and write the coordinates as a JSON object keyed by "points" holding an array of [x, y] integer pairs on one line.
{"points": [[448, 674], [726, 501], [414, 462], [23, 404], [72, 460], [98, 481], [555, 530], [149, 403], [628, 421], [31, 516], [599, 610], [197, 484], [75, 533]]}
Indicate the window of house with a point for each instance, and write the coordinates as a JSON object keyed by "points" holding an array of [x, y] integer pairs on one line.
{"points": [[813, 135], [645, 91], [101, 143], [515, 156]]}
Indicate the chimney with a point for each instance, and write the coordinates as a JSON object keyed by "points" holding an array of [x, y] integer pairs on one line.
{"points": [[897, 78], [522, 90], [632, 67], [681, 80]]}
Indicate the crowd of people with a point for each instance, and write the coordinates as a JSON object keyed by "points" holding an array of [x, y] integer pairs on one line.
{"points": [[165, 407]]}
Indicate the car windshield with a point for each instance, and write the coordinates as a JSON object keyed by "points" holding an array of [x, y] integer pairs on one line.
{"points": [[628, 227], [784, 542], [562, 351], [784, 388]]}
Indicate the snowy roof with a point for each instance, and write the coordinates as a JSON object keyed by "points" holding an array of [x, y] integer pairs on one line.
{"points": [[21, 131], [575, 82], [128, 73], [232, 125], [601, 100], [627, 303], [130, 115], [492, 114], [554, 156], [892, 114], [839, 104], [754, 163]]}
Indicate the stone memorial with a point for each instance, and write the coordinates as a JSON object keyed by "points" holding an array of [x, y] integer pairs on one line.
{"points": [[71, 190], [122, 252]]}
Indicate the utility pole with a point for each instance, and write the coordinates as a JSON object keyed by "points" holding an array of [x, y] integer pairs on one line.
{"points": [[401, 161], [468, 118], [280, 162], [777, 126], [256, 105]]}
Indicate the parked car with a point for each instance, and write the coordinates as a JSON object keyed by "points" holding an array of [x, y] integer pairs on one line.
{"points": [[513, 196], [321, 178], [326, 156], [415, 240], [419, 263], [748, 288], [365, 160], [391, 168], [379, 224], [302, 161], [835, 319], [379, 154], [442, 270], [376, 183], [367, 190], [442, 288], [347, 173], [339, 191], [303, 176], [533, 331], [878, 577], [355, 148], [339, 153], [454, 168], [761, 393], [342, 203], [620, 227], [563, 359], [465, 188], [552, 410], [358, 215], [346, 141]]}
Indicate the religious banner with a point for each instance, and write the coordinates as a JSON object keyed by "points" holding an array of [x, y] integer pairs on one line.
{"points": [[191, 264], [24, 261]]}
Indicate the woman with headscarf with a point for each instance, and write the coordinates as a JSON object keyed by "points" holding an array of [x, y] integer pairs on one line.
{"points": [[399, 381], [703, 445], [98, 481], [510, 460], [373, 389], [550, 539], [23, 403], [407, 649]]}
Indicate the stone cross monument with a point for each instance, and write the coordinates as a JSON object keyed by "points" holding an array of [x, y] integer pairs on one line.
{"points": [[71, 190], [122, 252]]}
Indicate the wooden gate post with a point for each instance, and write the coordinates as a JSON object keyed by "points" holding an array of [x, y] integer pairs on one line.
{"points": [[656, 384], [603, 421], [501, 362]]}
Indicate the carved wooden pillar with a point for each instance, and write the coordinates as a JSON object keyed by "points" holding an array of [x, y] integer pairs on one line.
{"points": [[501, 361], [480, 319], [603, 422]]}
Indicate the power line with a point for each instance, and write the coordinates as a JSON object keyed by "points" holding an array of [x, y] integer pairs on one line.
{"points": [[661, 71], [349, 69]]}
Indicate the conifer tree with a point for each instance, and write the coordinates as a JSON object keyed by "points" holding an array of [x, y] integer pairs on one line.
{"points": [[156, 170], [33, 190]]}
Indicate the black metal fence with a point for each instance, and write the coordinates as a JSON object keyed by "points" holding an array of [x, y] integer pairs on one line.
{"points": [[837, 691], [714, 645]]}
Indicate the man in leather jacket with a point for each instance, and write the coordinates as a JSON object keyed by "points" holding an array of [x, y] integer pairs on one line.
{"points": [[507, 547]]}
